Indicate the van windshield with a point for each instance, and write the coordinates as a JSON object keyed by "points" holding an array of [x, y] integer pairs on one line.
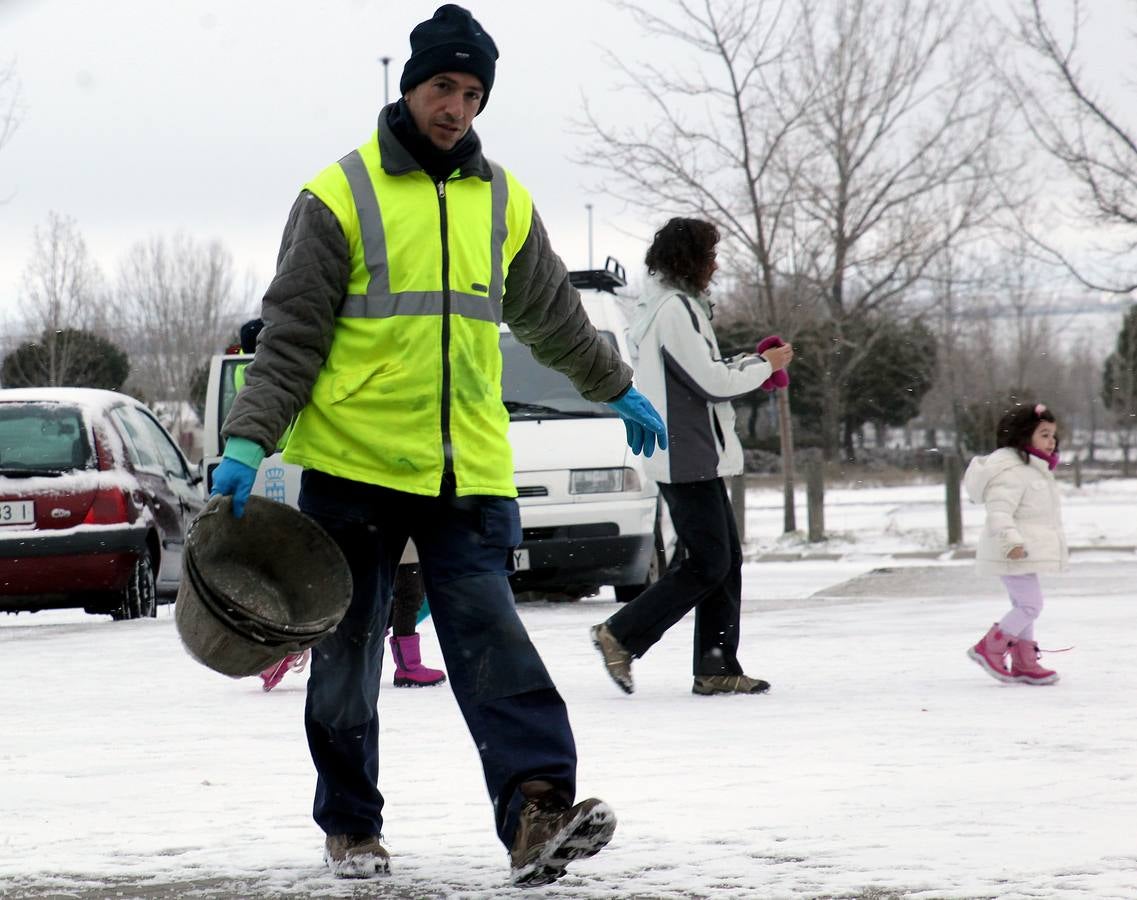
{"points": [[530, 390]]}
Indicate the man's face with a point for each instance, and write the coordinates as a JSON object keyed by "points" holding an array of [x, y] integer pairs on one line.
{"points": [[444, 106]]}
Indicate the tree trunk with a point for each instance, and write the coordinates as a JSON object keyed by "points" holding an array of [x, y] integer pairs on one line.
{"points": [[786, 432], [830, 420]]}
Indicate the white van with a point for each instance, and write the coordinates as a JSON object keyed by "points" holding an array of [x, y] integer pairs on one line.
{"points": [[589, 515]]}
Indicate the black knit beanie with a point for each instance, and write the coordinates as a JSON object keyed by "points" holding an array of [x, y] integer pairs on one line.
{"points": [[451, 41]]}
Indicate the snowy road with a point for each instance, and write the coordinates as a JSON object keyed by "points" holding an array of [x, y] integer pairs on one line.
{"points": [[882, 764]]}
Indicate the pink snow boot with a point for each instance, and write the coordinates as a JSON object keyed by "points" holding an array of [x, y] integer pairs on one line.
{"points": [[990, 653], [1025, 666], [294, 662], [409, 670]]}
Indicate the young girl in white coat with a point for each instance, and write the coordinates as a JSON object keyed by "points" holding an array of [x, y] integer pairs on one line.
{"points": [[1022, 537]]}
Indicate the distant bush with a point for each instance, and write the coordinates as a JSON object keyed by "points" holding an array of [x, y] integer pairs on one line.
{"points": [[66, 358]]}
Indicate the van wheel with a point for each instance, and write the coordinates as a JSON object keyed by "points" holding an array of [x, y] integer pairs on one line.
{"points": [[139, 599], [625, 593]]}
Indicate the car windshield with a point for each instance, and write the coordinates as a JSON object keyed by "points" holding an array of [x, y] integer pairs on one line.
{"points": [[42, 437], [530, 390]]}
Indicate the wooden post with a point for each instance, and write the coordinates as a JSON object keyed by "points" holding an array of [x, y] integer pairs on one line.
{"points": [[738, 501], [954, 509], [815, 498]]}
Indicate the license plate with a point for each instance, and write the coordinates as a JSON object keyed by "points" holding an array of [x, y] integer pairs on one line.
{"points": [[520, 560], [18, 512]]}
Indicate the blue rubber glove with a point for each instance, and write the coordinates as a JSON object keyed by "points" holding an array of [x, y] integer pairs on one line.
{"points": [[642, 422], [233, 478]]}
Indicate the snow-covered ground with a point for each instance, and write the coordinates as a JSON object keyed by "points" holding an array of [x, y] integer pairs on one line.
{"points": [[883, 763], [866, 519]]}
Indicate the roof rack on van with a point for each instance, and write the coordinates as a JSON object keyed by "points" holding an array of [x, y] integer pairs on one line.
{"points": [[607, 279]]}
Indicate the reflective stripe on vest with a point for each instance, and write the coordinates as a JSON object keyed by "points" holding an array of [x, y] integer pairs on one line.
{"points": [[379, 302]]}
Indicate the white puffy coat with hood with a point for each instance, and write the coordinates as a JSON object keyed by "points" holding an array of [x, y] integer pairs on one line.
{"points": [[1022, 510], [680, 370]]}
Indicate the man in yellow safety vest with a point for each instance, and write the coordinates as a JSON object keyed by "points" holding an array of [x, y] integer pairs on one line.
{"points": [[397, 266]]}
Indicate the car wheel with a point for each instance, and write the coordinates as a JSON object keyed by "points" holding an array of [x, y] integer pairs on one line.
{"points": [[140, 596], [625, 593]]}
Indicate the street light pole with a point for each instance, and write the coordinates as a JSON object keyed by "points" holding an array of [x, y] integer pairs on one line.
{"points": [[588, 206], [386, 60]]}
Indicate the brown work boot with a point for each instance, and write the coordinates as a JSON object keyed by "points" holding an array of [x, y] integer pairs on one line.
{"points": [[616, 658], [550, 835], [356, 856], [729, 684]]}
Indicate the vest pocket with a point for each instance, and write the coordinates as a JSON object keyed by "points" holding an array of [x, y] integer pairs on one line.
{"points": [[348, 383]]}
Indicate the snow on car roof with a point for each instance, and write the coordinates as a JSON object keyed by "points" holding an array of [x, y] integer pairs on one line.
{"points": [[88, 398]]}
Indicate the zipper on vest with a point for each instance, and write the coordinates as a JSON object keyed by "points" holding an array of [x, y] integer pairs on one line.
{"points": [[447, 448]]}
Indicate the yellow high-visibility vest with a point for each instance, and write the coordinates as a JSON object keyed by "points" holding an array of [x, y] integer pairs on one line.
{"points": [[412, 385]]}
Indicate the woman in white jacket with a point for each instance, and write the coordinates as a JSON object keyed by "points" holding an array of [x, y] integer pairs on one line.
{"points": [[1022, 537], [679, 368]]}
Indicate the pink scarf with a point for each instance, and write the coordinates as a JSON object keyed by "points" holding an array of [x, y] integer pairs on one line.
{"points": [[1051, 459]]}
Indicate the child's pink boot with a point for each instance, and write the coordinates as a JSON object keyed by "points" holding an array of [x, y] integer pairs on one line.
{"points": [[1025, 666], [990, 653], [409, 670], [294, 662]]}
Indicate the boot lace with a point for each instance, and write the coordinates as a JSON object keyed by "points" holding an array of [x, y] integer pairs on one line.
{"points": [[1041, 650], [1038, 651]]}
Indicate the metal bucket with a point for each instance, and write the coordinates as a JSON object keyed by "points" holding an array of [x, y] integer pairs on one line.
{"points": [[257, 588]]}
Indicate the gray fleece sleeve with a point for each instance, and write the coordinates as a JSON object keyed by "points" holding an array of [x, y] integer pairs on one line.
{"points": [[544, 311], [299, 312]]}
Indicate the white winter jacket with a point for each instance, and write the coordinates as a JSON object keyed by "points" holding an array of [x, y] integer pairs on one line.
{"points": [[679, 368], [1022, 510]]}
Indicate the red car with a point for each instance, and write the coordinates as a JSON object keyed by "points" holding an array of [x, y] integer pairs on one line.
{"points": [[95, 500]]}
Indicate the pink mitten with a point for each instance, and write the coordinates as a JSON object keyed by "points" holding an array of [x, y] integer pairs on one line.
{"points": [[779, 379]]}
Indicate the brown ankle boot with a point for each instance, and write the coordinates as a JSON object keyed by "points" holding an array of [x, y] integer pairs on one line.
{"points": [[551, 834], [356, 856]]}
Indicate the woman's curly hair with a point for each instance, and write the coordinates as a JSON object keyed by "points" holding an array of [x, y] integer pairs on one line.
{"points": [[683, 254], [1017, 427]]}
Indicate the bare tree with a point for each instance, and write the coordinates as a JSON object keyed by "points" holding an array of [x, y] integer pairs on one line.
{"points": [[61, 282], [1083, 383], [714, 146], [10, 108], [1087, 137], [999, 323], [61, 294], [955, 280], [898, 155], [175, 306]]}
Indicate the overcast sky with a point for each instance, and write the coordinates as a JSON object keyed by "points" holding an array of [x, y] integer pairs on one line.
{"points": [[142, 118]]}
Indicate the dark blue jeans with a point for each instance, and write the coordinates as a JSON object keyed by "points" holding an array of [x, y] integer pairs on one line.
{"points": [[709, 580], [515, 715]]}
